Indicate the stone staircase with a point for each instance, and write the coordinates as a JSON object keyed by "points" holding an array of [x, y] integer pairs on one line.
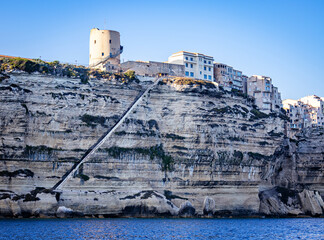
{"points": [[106, 58], [103, 138]]}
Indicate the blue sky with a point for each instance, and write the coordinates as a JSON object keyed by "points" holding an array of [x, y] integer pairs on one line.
{"points": [[282, 39]]}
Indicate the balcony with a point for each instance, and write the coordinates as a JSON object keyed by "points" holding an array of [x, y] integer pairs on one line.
{"points": [[266, 100]]}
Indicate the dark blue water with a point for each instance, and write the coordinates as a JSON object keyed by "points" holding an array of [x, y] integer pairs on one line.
{"points": [[162, 229]]}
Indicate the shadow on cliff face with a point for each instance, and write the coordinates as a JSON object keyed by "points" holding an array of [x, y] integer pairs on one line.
{"points": [[280, 201], [143, 211], [296, 176]]}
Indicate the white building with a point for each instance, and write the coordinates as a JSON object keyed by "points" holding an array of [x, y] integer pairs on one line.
{"points": [[305, 112], [316, 109], [197, 65], [298, 112]]}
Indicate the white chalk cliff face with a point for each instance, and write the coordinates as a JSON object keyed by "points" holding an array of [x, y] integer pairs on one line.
{"points": [[185, 150]]}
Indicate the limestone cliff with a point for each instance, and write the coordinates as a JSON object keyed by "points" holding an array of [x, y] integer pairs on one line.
{"points": [[188, 149]]}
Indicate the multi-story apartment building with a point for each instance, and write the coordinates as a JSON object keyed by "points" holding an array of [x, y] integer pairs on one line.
{"points": [[305, 112], [298, 112], [267, 97], [316, 109], [197, 65], [228, 77]]}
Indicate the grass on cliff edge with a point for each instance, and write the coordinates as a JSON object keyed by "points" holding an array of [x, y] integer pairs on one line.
{"points": [[189, 82], [65, 70]]}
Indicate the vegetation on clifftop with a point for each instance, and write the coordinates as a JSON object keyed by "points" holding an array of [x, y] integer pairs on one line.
{"points": [[61, 69], [189, 82]]}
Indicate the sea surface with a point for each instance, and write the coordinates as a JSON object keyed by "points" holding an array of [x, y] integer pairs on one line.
{"points": [[305, 228]]}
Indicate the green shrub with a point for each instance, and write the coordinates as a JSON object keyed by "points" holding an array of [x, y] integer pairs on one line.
{"points": [[130, 74], [93, 120], [258, 115]]}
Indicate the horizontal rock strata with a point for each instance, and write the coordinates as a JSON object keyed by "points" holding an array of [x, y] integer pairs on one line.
{"points": [[186, 150]]}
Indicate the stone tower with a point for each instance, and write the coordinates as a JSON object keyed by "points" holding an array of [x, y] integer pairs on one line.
{"points": [[105, 48]]}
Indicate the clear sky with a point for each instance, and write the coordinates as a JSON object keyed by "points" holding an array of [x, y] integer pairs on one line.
{"points": [[282, 39]]}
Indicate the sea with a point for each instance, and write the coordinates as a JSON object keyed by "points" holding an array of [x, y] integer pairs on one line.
{"points": [[134, 228]]}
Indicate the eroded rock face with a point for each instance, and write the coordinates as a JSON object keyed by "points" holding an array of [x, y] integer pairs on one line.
{"points": [[209, 206], [298, 174], [181, 145]]}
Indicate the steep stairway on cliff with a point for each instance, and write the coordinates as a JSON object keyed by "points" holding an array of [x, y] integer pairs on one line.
{"points": [[103, 138], [107, 58]]}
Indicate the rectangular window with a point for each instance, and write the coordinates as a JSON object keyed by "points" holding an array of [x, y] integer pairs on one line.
{"points": [[191, 74], [204, 61], [186, 64], [209, 77], [205, 68], [191, 59], [191, 65], [205, 76], [209, 62], [109, 40], [200, 72], [186, 58], [187, 73], [209, 69], [95, 41], [102, 54]]}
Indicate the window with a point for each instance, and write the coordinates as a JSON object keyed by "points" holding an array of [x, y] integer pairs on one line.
{"points": [[191, 65], [209, 62], [186, 58], [187, 73], [209, 77], [205, 68], [200, 72], [205, 76], [109, 40], [191, 59], [204, 61], [209, 69], [102, 54], [191, 74], [95, 41], [186, 64]]}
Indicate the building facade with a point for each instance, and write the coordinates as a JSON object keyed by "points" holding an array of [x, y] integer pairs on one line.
{"points": [[267, 97], [197, 65], [104, 49], [298, 112], [316, 109], [228, 77], [152, 69]]}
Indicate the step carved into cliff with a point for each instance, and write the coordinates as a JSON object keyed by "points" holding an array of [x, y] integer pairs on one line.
{"points": [[103, 138]]}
